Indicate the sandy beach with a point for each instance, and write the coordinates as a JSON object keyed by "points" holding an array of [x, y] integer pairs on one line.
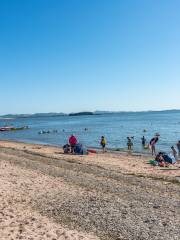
{"points": [[48, 195]]}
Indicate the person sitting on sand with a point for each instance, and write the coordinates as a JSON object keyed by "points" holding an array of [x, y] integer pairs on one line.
{"points": [[178, 147], [130, 143], [152, 144], [165, 159], [159, 160], [103, 143], [80, 149], [72, 141], [66, 148]]}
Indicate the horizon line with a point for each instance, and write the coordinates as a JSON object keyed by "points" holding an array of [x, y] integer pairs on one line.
{"points": [[96, 111]]}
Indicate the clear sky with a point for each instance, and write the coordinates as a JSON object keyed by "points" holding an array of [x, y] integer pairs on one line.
{"points": [[76, 55]]}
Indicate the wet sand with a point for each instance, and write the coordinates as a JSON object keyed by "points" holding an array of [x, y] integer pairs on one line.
{"points": [[48, 195]]}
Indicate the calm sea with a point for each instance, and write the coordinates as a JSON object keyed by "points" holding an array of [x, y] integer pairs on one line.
{"points": [[115, 127]]}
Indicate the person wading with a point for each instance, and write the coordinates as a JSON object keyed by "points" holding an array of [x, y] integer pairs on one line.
{"points": [[153, 144]]}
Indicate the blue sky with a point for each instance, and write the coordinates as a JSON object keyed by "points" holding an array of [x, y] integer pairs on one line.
{"points": [[76, 55]]}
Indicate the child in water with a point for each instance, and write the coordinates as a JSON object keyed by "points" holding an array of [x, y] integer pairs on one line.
{"points": [[130, 143], [103, 143]]}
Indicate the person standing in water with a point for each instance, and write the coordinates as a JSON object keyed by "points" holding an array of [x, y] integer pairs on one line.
{"points": [[130, 143], [153, 144], [103, 143], [143, 141], [178, 147]]}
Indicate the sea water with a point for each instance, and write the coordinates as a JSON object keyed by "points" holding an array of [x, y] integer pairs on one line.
{"points": [[115, 127]]}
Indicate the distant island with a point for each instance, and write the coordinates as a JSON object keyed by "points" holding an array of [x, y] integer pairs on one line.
{"points": [[81, 114], [35, 115], [85, 113]]}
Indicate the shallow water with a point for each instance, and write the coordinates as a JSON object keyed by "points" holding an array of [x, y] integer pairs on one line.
{"points": [[116, 127]]}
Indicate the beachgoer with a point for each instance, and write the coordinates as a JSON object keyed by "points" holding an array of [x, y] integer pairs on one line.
{"points": [[153, 144], [130, 143], [174, 153], [66, 148], [72, 142], [143, 141], [103, 143], [178, 147], [159, 160], [80, 149], [165, 159]]}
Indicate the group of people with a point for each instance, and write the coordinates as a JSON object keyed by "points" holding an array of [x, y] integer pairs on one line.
{"points": [[74, 147], [48, 131], [151, 144], [161, 158]]}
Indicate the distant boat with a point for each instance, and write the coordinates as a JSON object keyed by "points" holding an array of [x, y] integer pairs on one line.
{"points": [[12, 128], [7, 128]]}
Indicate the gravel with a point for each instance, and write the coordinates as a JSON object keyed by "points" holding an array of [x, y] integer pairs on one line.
{"points": [[108, 203]]}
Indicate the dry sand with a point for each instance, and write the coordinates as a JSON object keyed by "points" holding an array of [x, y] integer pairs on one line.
{"points": [[45, 194]]}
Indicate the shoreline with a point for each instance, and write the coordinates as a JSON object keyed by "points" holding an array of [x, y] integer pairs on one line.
{"points": [[110, 150], [126, 162]]}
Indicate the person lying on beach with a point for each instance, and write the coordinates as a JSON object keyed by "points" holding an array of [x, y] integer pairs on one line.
{"points": [[152, 144], [66, 148], [72, 141], [103, 143], [164, 159]]}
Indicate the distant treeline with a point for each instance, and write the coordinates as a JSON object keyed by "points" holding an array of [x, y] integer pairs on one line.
{"points": [[36, 115], [81, 114]]}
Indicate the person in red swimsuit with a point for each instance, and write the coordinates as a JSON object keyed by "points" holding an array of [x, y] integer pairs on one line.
{"points": [[72, 141]]}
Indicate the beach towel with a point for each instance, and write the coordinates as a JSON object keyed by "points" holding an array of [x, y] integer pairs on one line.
{"points": [[153, 162]]}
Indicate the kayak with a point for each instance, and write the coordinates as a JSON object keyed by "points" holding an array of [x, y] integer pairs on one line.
{"points": [[92, 151]]}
